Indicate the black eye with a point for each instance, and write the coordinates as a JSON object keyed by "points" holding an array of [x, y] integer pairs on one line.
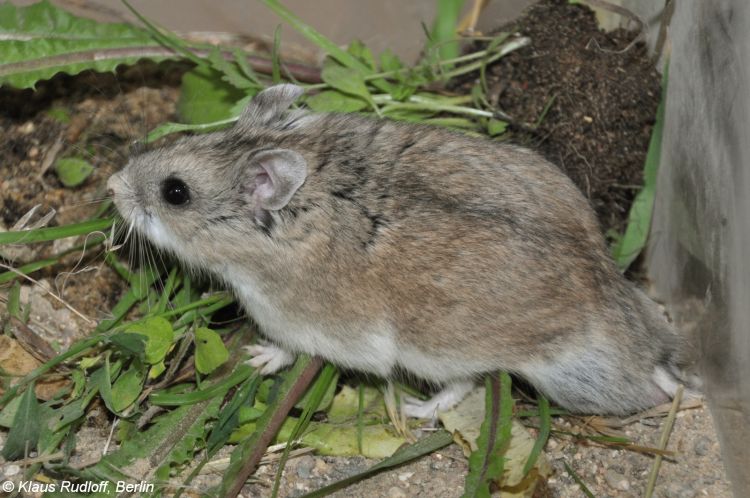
{"points": [[175, 192]]}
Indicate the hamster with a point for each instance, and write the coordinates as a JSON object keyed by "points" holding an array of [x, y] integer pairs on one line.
{"points": [[394, 248]]}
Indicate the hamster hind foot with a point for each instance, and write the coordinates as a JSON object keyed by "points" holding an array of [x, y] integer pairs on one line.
{"points": [[268, 357], [444, 400]]}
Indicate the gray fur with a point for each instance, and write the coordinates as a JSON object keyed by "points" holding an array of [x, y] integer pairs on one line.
{"points": [[412, 248]]}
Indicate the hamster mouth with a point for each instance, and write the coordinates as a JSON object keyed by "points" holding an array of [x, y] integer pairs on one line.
{"points": [[136, 216], [149, 225]]}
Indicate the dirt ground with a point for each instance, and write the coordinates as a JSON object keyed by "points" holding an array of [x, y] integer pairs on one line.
{"points": [[600, 95], [94, 116], [597, 129]]}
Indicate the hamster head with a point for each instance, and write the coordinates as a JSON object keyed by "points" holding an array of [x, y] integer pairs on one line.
{"points": [[208, 193]]}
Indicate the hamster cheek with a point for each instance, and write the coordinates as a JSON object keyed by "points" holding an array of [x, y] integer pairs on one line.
{"points": [[157, 232]]}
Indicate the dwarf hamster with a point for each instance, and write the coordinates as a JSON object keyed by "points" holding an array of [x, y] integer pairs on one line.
{"points": [[388, 247]]}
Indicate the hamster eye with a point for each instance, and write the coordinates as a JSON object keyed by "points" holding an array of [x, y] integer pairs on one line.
{"points": [[175, 192]]}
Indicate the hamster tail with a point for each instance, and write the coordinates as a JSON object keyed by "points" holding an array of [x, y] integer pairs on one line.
{"points": [[676, 364], [612, 376]]}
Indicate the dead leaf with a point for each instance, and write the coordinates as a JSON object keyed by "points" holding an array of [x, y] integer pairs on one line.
{"points": [[464, 421], [17, 362]]}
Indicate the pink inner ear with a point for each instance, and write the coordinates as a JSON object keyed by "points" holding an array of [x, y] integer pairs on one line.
{"points": [[263, 186]]}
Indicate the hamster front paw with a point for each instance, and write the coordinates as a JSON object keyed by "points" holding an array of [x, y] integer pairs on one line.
{"points": [[444, 400], [268, 356]]}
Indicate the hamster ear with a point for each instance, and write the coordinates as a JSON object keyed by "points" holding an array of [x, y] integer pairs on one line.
{"points": [[274, 177], [268, 105]]}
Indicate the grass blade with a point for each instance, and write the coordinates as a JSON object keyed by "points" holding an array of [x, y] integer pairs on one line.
{"points": [[586, 491], [328, 46], [54, 233], [443, 33], [242, 373], [545, 424], [275, 57]]}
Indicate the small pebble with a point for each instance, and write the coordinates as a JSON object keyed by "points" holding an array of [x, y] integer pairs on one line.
{"points": [[615, 480], [11, 470], [396, 492], [675, 490], [405, 476], [321, 467], [26, 128], [305, 465], [33, 152], [702, 446]]}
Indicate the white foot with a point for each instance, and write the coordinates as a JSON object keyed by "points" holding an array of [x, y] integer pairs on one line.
{"points": [[444, 400], [268, 356]]}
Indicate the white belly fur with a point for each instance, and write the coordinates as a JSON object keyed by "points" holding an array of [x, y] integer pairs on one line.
{"points": [[367, 347]]}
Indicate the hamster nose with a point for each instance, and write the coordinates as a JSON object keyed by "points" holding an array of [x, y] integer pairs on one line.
{"points": [[111, 184]]}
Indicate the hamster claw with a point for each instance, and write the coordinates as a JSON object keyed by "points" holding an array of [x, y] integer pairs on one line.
{"points": [[268, 357], [444, 400]]}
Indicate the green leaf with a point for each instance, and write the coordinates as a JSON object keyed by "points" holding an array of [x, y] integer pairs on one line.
{"points": [[156, 370], [363, 53], [390, 61], [230, 71], [487, 462], [167, 441], [59, 114], [351, 404], [40, 40], [73, 171], [627, 249], [496, 127], [129, 344], [335, 101], [104, 380], [192, 440], [240, 58], [210, 351], [159, 337], [346, 80], [9, 412], [206, 97], [127, 387], [168, 128], [24, 433], [229, 417]]}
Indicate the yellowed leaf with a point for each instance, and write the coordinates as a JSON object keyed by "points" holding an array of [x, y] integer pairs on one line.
{"points": [[464, 421], [16, 361]]}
